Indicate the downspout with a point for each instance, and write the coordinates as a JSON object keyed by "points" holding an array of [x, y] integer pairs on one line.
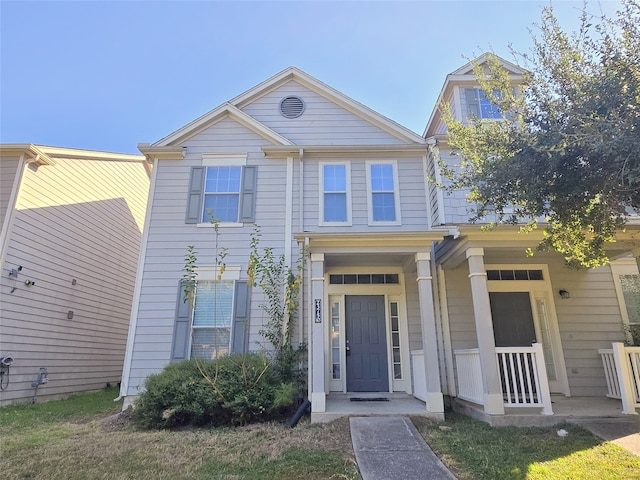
{"points": [[310, 316], [306, 240]]}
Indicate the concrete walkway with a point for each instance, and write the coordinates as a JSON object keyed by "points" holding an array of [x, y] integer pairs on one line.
{"points": [[623, 431], [391, 447]]}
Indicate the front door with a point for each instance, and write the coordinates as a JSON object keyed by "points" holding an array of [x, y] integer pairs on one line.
{"points": [[366, 340], [514, 325]]}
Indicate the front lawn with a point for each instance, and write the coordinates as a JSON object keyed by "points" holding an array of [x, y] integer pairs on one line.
{"points": [[69, 439], [80, 438], [474, 450]]}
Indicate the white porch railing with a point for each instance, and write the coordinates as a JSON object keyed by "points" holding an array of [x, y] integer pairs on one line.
{"points": [[523, 376], [469, 375], [622, 371]]}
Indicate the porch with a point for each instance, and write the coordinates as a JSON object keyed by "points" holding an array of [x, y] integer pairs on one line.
{"points": [[525, 389], [372, 404]]}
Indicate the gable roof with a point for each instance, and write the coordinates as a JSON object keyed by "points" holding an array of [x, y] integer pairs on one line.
{"points": [[233, 108], [465, 76]]}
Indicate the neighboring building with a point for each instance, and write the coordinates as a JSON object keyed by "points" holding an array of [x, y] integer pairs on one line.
{"points": [[400, 293], [493, 295], [72, 222]]}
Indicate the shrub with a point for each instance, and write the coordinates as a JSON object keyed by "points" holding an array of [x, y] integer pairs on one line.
{"points": [[231, 390]]}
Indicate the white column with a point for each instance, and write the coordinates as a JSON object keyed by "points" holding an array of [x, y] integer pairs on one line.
{"points": [[435, 403], [627, 394], [492, 390], [317, 318]]}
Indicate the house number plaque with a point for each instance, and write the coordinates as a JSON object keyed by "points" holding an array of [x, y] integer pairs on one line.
{"points": [[317, 315]]}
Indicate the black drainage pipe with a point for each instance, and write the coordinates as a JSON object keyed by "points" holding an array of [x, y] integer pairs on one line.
{"points": [[298, 415]]}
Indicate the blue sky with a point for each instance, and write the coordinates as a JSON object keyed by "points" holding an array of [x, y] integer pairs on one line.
{"points": [[109, 75]]}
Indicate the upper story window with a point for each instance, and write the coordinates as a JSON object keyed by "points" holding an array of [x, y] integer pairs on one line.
{"points": [[383, 193], [335, 204], [479, 106], [222, 193], [224, 185]]}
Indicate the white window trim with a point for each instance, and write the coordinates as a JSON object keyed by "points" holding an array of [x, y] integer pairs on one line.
{"points": [[321, 193], [209, 273], [623, 267], [396, 192], [222, 160]]}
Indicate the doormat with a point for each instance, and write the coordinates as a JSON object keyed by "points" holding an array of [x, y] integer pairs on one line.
{"points": [[376, 399]]}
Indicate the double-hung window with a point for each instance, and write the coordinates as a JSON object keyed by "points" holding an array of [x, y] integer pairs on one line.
{"points": [[383, 193], [212, 319], [224, 188], [335, 197], [222, 193], [479, 106], [215, 321]]}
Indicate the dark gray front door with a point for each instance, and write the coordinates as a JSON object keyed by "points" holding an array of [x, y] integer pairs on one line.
{"points": [[367, 364], [512, 319]]}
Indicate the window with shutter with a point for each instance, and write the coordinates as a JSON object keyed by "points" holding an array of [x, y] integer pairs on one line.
{"points": [[226, 191]]}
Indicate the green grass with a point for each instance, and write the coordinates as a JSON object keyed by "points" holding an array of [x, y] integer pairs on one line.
{"points": [[68, 439], [474, 450]]}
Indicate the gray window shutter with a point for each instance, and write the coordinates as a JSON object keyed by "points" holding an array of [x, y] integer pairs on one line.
{"points": [[182, 328], [240, 329], [194, 197], [248, 195], [473, 108]]}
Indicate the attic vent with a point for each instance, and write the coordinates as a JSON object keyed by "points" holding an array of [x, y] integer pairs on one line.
{"points": [[291, 107]]}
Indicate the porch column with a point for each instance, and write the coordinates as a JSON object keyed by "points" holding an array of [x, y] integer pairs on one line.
{"points": [[435, 403], [492, 390], [318, 364]]}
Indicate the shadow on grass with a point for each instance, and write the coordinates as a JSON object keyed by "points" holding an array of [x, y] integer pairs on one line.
{"points": [[473, 449]]}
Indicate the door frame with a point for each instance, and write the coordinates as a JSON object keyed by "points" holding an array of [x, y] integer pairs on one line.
{"points": [[539, 290], [335, 295]]}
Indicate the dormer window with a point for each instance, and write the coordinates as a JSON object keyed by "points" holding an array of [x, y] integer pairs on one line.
{"points": [[479, 106]]}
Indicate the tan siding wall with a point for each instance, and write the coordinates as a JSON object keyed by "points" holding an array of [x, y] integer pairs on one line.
{"points": [[78, 220], [322, 123], [8, 171]]}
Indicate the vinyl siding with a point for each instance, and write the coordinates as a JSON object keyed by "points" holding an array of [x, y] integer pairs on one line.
{"points": [[8, 171], [322, 122], [78, 220], [413, 205], [169, 237]]}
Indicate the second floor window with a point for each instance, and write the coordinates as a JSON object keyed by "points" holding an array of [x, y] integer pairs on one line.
{"points": [[383, 185], [222, 193], [335, 193], [479, 106]]}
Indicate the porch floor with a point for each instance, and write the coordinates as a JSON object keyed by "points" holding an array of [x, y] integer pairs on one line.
{"points": [[340, 405], [564, 409]]}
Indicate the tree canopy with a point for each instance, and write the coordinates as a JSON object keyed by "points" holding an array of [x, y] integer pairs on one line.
{"points": [[568, 149]]}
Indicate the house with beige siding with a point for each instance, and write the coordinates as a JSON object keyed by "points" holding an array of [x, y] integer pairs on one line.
{"points": [[71, 225], [403, 299]]}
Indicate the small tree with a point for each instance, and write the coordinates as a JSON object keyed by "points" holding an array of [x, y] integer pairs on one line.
{"points": [[281, 287], [570, 149]]}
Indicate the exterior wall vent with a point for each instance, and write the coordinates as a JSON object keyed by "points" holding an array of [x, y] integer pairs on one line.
{"points": [[291, 107]]}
